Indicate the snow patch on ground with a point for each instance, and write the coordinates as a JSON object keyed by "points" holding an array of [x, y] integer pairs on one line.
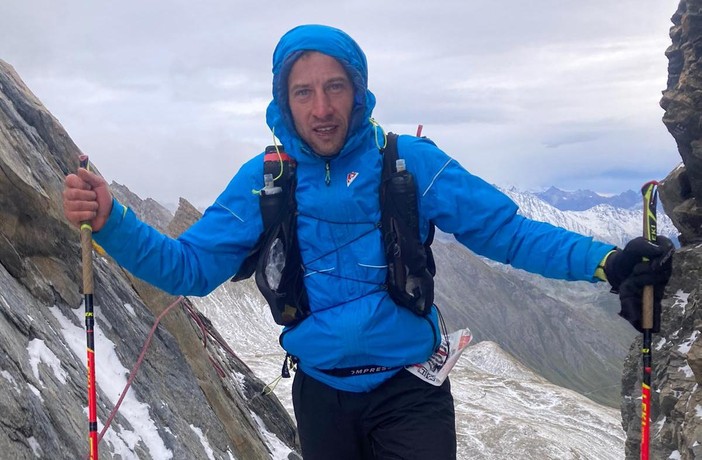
{"points": [[111, 379], [40, 353]]}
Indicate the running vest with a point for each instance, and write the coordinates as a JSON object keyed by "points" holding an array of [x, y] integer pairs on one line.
{"points": [[276, 259]]}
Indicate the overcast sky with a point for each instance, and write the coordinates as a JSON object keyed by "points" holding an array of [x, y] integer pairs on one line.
{"points": [[168, 97]]}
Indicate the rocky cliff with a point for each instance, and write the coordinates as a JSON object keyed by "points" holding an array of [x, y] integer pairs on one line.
{"points": [[188, 400], [677, 351]]}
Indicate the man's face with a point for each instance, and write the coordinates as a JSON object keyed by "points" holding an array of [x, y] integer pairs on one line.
{"points": [[320, 96]]}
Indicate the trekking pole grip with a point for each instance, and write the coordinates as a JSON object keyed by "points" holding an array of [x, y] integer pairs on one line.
{"points": [[86, 242], [647, 309]]}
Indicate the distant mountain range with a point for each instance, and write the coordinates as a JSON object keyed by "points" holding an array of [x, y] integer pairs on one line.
{"points": [[606, 222], [581, 200]]}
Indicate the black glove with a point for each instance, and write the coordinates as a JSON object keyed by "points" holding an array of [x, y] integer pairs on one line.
{"points": [[620, 264], [655, 272]]}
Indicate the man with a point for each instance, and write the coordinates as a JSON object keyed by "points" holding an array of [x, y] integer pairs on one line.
{"points": [[321, 112]]}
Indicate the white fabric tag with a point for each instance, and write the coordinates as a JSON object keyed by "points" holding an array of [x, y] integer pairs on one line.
{"points": [[437, 368]]}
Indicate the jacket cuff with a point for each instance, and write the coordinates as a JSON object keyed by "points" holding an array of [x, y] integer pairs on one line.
{"points": [[600, 271], [117, 215]]}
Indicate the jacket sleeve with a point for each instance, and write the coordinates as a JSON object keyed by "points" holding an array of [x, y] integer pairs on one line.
{"points": [[488, 223], [204, 256]]}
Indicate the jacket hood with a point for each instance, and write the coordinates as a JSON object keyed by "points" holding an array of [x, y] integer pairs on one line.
{"points": [[339, 45]]}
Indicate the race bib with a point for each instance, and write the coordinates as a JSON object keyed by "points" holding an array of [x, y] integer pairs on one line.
{"points": [[437, 368]]}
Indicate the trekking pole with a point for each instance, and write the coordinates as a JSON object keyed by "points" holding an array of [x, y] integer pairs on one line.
{"points": [[86, 241], [649, 192]]}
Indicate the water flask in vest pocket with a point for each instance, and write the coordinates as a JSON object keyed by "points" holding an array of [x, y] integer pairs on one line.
{"points": [[278, 171], [410, 283], [279, 272]]}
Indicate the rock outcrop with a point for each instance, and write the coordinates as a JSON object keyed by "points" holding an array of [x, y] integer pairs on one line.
{"points": [[148, 210], [681, 191], [676, 429], [187, 401]]}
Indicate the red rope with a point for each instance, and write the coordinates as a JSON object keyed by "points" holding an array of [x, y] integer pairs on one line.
{"points": [[132, 375], [135, 369]]}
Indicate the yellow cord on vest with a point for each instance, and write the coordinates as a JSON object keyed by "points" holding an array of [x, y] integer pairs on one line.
{"points": [[280, 158], [377, 126]]}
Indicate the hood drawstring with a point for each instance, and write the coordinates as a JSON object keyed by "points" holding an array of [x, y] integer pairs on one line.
{"points": [[376, 128], [327, 172]]}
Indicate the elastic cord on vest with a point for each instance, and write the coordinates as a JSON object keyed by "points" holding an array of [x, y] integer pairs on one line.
{"points": [[276, 258]]}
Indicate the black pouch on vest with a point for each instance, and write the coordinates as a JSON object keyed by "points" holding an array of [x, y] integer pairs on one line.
{"points": [[279, 273], [275, 258]]}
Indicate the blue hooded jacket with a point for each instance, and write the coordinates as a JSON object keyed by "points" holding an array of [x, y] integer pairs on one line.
{"points": [[353, 323]]}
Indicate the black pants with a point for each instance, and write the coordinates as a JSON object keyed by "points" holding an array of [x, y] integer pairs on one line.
{"points": [[405, 418]]}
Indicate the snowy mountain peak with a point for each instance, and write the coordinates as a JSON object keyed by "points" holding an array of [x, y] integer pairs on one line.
{"points": [[604, 222]]}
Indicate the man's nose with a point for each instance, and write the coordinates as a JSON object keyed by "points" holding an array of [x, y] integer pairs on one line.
{"points": [[321, 107]]}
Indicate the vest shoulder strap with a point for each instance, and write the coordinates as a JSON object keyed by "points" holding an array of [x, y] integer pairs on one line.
{"points": [[411, 268]]}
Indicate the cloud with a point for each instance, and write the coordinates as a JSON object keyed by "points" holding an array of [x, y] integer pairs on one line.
{"points": [[169, 97]]}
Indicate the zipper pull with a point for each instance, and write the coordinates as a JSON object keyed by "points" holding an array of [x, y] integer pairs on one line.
{"points": [[327, 172]]}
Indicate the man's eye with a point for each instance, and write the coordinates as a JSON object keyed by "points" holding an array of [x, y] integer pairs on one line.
{"points": [[338, 86], [301, 92]]}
